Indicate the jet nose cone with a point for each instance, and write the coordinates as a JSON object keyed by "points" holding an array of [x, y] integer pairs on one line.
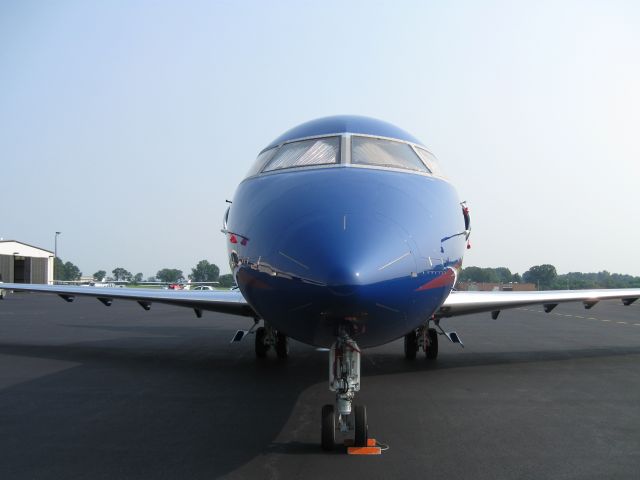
{"points": [[344, 251]]}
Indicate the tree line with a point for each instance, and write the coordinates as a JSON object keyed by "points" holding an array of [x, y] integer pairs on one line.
{"points": [[65, 270], [202, 272], [546, 277]]}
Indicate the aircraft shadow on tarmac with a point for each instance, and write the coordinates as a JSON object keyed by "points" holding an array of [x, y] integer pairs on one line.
{"points": [[167, 402]]}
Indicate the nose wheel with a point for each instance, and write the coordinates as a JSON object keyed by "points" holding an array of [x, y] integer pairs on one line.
{"points": [[361, 427], [328, 431], [328, 428]]}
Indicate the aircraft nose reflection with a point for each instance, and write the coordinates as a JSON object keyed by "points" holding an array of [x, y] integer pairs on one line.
{"points": [[344, 251], [342, 281]]}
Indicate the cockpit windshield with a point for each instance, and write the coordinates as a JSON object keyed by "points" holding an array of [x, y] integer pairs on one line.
{"points": [[385, 153], [365, 151], [317, 151]]}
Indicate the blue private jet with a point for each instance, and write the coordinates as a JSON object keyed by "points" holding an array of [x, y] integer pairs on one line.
{"points": [[345, 234]]}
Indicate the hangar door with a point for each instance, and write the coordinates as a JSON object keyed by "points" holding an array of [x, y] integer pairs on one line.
{"points": [[39, 270], [5, 268]]}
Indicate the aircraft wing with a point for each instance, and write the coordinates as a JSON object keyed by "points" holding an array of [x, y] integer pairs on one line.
{"points": [[463, 303], [224, 301]]}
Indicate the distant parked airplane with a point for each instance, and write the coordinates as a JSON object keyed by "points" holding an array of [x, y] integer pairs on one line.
{"points": [[345, 234]]}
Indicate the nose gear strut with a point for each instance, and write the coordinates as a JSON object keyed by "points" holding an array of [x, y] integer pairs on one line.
{"points": [[344, 379]]}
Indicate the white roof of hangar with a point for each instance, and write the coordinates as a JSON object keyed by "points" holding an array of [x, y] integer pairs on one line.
{"points": [[11, 247]]}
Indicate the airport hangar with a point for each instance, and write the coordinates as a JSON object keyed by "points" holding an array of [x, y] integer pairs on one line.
{"points": [[23, 263]]}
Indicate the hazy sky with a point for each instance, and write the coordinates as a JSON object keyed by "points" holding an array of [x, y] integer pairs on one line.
{"points": [[126, 124]]}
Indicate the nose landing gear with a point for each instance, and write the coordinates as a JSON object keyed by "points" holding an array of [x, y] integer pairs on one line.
{"points": [[344, 379]]}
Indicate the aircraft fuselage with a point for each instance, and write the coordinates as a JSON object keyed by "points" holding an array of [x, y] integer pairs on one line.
{"points": [[317, 249]]}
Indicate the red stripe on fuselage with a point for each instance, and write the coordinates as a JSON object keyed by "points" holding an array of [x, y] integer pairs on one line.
{"points": [[446, 279]]}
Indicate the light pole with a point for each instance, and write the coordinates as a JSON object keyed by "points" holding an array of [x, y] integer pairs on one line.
{"points": [[55, 254]]}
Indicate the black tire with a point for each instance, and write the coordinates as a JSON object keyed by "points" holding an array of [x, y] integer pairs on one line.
{"points": [[410, 346], [362, 429], [432, 350], [328, 428], [261, 347], [282, 346]]}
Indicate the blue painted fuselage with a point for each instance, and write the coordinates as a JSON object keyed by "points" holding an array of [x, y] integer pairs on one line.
{"points": [[370, 251]]}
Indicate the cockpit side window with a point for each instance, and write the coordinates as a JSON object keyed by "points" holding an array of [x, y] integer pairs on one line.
{"points": [[317, 151], [430, 160], [260, 162], [385, 153]]}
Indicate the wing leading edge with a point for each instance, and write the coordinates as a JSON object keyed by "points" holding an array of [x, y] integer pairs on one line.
{"points": [[464, 303], [231, 301]]}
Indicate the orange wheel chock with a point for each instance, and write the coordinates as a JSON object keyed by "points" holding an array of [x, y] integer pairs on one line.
{"points": [[370, 449]]}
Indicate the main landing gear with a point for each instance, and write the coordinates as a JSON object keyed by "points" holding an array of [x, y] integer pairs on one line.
{"points": [[423, 338], [426, 337], [267, 337], [344, 379]]}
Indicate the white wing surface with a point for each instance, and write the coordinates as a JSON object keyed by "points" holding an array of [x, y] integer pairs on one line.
{"points": [[232, 302], [463, 303], [224, 301]]}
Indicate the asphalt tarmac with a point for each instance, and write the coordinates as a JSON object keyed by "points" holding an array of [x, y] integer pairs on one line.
{"points": [[93, 392]]}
